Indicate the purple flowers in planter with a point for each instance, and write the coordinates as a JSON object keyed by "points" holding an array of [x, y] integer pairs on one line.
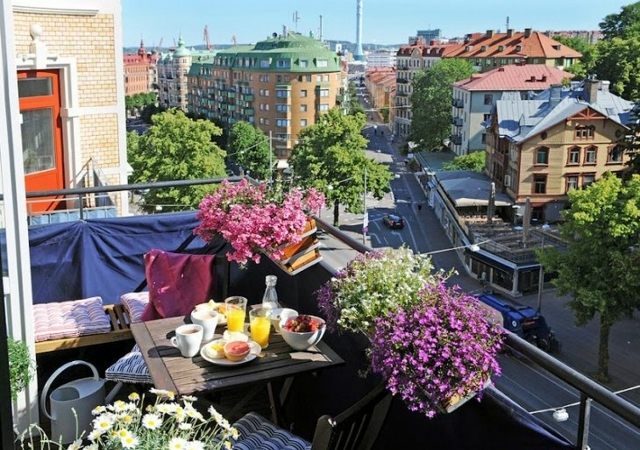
{"points": [[436, 351]]}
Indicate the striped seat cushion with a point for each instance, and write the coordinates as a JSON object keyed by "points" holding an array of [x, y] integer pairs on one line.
{"points": [[257, 433], [135, 303], [72, 318], [131, 368]]}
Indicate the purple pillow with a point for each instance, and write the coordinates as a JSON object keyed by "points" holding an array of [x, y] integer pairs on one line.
{"points": [[177, 283]]}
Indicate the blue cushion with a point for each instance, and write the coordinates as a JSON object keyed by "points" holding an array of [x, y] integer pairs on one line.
{"points": [[257, 433], [131, 368]]}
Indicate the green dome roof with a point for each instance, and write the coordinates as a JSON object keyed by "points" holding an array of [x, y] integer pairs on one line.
{"points": [[181, 50]]}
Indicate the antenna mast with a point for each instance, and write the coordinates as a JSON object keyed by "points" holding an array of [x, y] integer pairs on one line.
{"points": [[507, 22], [296, 19], [321, 29], [205, 37]]}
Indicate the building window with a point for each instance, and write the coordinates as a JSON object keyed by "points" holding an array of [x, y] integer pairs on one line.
{"points": [[283, 63], [488, 99], [278, 78], [264, 78], [303, 108], [322, 63], [303, 93], [572, 182], [484, 138], [304, 63], [282, 123], [323, 107], [542, 156], [615, 154], [540, 183], [574, 155], [587, 179], [282, 93], [265, 63], [307, 78], [324, 92], [303, 123], [318, 78], [486, 117], [280, 107], [591, 155], [585, 132]]}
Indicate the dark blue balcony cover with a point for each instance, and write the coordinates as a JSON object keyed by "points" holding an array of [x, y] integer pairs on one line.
{"points": [[102, 256]]}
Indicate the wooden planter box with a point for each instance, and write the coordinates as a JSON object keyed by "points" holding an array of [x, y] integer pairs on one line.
{"points": [[304, 254]]}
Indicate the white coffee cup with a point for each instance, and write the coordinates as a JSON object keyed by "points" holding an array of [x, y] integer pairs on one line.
{"points": [[188, 339], [208, 320]]}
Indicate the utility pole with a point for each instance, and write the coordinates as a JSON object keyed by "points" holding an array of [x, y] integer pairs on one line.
{"points": [[365, 219], [270, 157]]}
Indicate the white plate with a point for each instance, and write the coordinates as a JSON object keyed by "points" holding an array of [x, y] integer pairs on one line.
{"points": [[254, 351]]}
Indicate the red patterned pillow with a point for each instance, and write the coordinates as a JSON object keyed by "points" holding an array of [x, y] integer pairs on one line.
{"points": [[177, 282]]}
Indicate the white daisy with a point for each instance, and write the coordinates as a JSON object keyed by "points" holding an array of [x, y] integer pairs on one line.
{"points": [[130, 441], [75, 445], [151, 421], [195, 445], [178, 444]]}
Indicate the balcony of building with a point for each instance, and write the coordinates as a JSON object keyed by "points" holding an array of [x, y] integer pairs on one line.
{"points": [[457, 121], [457, 103], [456, 139]]}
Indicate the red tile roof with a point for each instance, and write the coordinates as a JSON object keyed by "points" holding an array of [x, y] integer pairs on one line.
{"points": [[527, 44], [431, 48], [529, 77]]}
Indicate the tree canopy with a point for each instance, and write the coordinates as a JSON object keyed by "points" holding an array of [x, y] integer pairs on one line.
{"points": [[249, 148], [431, 101], [473, 161], [580, 69], [330, 156], [624, 23], [600, 267], [175, 148]]}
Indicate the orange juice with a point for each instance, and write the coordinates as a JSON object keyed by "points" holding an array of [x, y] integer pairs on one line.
{"points": [[235, 319], [260, 328]]}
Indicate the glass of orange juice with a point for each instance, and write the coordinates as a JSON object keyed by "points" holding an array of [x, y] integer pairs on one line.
{"points": [[236, 308], [260, 323]]}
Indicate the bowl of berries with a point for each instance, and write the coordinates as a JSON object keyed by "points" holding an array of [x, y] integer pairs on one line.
{"points": [[302, 331]]}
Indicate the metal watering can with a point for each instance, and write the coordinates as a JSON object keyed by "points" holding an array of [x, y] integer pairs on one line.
{"points": [[72, 403]]}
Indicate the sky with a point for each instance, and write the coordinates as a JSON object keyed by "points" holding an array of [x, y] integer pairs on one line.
{"points": [[385, 21]]}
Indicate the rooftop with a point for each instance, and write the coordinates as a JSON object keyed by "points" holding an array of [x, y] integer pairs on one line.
{"points": [[528, 77]]}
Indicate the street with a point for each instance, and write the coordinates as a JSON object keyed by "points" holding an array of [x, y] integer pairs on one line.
{"points": [[524, 382]]}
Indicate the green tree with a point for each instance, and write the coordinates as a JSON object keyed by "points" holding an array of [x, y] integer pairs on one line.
{"points": [[619, 62], [625, 23], [331, 157], [600, 267], [175, 148], [353, 105], [431, 101], [587, 63], [473, 161], [249, 147]]}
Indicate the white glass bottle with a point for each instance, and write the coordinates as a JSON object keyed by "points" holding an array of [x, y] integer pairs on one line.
{"points": [[270, 297]]}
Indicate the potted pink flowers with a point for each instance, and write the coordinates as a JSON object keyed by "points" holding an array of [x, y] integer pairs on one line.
{"points": [[255, 219]]}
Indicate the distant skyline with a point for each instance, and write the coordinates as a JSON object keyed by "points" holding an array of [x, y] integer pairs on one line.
{"points": [[385, 21]]}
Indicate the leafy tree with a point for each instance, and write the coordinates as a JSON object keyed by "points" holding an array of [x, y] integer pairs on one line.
{"points": [[619, 62], [250, 148], [625, 23], [587, 63], [600, 267], [384, 112], [431, 101], [330, 157], [352, 103], [175, 148], [632, 143], [473, 161]]}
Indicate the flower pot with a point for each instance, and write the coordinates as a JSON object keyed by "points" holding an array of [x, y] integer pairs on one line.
{"points": [[298, 257], [456, 401]]}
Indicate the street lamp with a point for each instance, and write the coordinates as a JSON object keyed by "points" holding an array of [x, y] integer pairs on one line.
{"points": [[545, 227]]}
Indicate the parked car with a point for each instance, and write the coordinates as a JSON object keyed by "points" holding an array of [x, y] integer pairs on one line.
{"points": [[524, 321], [393, 221]]}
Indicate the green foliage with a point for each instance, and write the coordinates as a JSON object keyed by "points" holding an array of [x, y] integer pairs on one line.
{"points": [[175, 148], [632, 144], [473, 161], [21, 366], [384, 111], [600, 267], [140, 100], [249, 147], [589, 52], [619, 62], [431, 101], [625, 23], [353, 105], [331, 158]]}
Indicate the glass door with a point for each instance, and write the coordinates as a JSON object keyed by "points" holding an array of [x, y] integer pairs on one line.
{"points": [[42, 151]]}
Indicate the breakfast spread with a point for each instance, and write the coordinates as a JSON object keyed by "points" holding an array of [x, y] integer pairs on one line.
{"points": [[302, 324]]}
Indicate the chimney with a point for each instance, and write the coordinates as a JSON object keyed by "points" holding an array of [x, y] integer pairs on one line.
{"points": [[604, 85], [527, 32], [555, 95], [467, 38], [510, 32], [590, 90], [489, 33]]}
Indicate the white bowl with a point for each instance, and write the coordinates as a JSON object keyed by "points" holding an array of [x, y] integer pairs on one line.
{"points": [[279, 315], [303, 341]]}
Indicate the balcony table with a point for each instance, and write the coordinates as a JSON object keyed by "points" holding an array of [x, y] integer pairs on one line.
{"points": [[187, 376]]}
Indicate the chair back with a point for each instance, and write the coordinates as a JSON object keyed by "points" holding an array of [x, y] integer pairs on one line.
{"points": [[358, 427]]}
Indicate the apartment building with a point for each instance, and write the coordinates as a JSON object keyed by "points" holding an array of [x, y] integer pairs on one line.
{"points": [[381, 84], [475, 97], [381, 58], [563, 139], [140, 74], [281, 85], [411, 59], [173, 68]]}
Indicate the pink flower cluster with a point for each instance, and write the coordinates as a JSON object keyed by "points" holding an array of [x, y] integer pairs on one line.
{"points": [[251, 219], [437, 350]]}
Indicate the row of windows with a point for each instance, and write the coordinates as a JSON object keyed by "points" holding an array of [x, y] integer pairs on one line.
{"points": [[265, 63], [286, 93], [284, 123], [572, 181], [574, 155]]}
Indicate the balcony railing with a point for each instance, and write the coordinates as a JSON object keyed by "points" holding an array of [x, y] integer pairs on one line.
{"points": [[456, 139], [457, 121], [457, 103]]}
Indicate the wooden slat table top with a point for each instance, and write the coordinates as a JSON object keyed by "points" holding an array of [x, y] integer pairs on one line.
{"points": [[169, 370]]}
